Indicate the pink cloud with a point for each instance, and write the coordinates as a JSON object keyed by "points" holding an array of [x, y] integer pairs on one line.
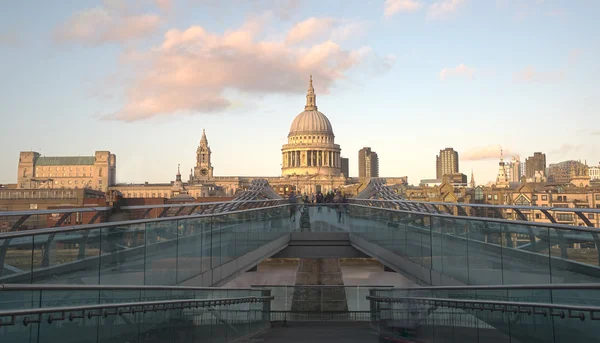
{"points": [[392, 7], [485, 153], [164, 5], [442, 8], [190, 71], [459, 71], [110, 23], [309, 29], [313, 29], [530, 74], [574, 56]]}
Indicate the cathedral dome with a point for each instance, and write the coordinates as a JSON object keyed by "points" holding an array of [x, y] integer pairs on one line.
{"points": [[311, 121]]}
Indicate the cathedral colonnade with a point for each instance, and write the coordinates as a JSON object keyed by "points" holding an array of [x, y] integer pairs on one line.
{"points": [[311, 158]]}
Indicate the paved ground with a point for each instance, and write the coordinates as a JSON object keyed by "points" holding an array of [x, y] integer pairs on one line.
{"points": [[353, 275], [315, 332]]}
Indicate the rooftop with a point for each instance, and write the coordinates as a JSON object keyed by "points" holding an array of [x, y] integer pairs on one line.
{"points": [[65, 160]]}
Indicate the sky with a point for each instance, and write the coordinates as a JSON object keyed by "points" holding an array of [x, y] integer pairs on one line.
{"points": [[407, 78]]}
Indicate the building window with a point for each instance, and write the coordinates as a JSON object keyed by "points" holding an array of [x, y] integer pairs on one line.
{"points": [[99, 182], [538, 216], [100, 172], [597, 197], [534, 198], [591, 216], [544, 197], [489, 197], [478, 193], [70, 182], [495, 196], [564, 217]]}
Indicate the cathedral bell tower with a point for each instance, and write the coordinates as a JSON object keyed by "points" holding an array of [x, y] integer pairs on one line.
{"points": [[203, 169]]}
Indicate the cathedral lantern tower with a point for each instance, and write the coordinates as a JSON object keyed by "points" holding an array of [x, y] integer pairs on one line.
{"points": [[311, 148], [203, 169]]}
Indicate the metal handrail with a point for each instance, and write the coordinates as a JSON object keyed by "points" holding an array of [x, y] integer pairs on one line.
{"points": [[540, 208], [62, 229], [195, 204], [493, 220], [52, 211], [133, 207], [54, 287], [503, 306], [325, 286], [141, 207], [502, 287], [133, 307]]}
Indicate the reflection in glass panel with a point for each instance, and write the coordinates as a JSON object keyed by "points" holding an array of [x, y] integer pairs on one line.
{"points": [[123, 250], [525, 254], [16, 260], [189, 248], [161, 253], [574, 256], [485, 253]]}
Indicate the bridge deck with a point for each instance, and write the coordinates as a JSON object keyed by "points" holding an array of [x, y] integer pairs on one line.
{"points": [[319, 332]]}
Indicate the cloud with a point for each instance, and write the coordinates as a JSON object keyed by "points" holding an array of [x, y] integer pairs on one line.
{"points": [[574, 56], [442, 8], [164, 5], [530, 74], [309, 29], [392, 7], [10, 38], [595, 133], [566, 150], [459, 71], [485, 153], [197, 71], [220, 9], [110, 23], [313, 29], [349, 30]]}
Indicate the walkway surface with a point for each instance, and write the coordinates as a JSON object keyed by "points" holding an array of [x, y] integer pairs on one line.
{"points": [[319, 332]]}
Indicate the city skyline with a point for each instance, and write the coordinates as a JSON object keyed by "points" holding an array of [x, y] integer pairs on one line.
{"points": [[509, 88]]}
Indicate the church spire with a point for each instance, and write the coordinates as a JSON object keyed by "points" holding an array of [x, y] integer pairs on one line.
{"points": [[203, 140], [472, 179], [178, 175], [502, 179], [311, 98]]}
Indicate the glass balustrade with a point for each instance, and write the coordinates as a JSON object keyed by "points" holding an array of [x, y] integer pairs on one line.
{"points": [[473, 251], [182, 320], [484, 314], [152, 252]]}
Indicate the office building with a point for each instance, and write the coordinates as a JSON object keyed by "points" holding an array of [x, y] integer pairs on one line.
{"points": [[345, 166], [535, 164], [368, 163], [446, 163]]}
